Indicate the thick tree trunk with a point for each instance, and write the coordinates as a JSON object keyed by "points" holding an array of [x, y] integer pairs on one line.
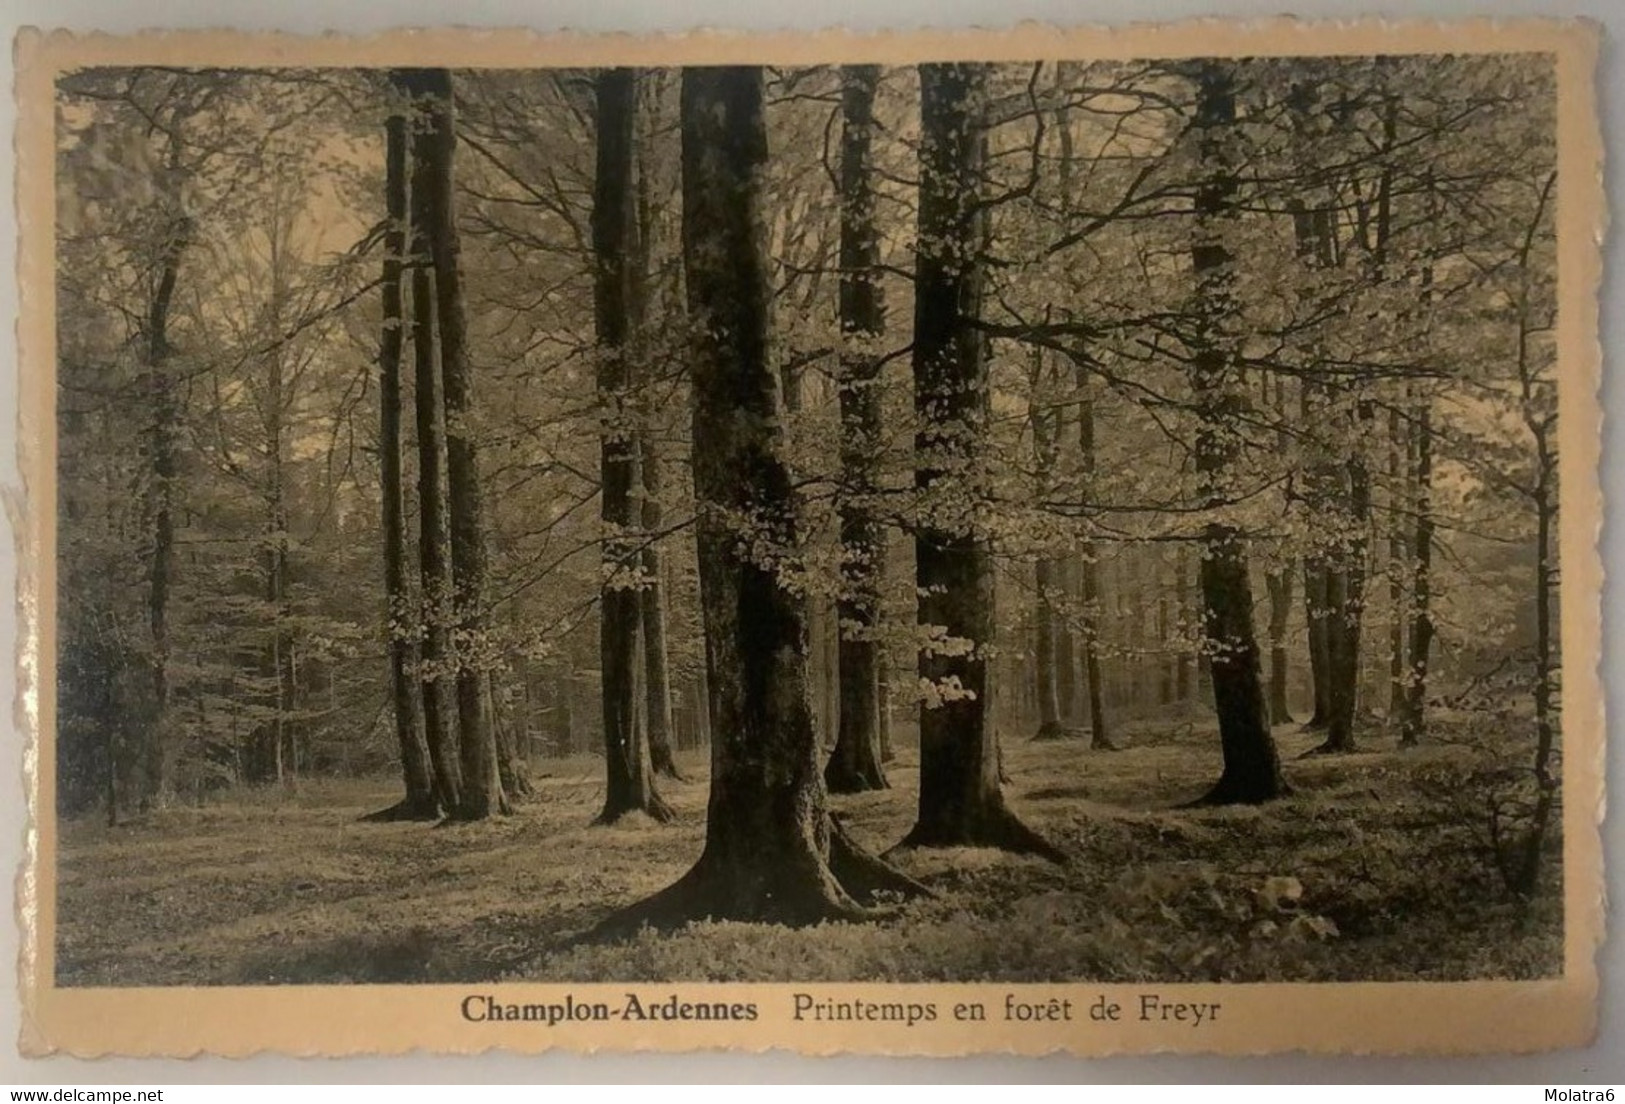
{"points": [[434, 558], [772, 851], [855, 764], [960, 800], [419, 802], [629, 769], [435, 143], [1252, 770]]}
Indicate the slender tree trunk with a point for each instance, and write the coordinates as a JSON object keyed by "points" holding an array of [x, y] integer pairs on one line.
{"points": [[1399, 506], [855, 764], [1317, 612], [419, 802], [1414, 727], [772, 851], [1089, 584], [629, 782], [161, 496], [434, 557], [1067, 690], [960, 800], [1252, 770], [1046, 573], [1187, 617], [510, 756], [656, 664], [1527, 875], [883, 688], [1279, 585], [1044, 658]]}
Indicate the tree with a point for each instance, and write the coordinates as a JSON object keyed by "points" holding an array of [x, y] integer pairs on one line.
{"points": [[1089, 570], [435, 143], [1252, 769], [420, 802], [772, 851], [651, 469], [1048, 570], [961, 803], [629, 781], [855, 764], [434, 545]]}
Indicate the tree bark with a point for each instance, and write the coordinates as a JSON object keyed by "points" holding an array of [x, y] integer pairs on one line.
{"points": [[1187, 618], [960, 800], [658, 706], [1046, 682], [1317, 611], [1089, 587], [1398, 619], [855, 764], [772, 851], [436, 142], [420, 802], [510, 757], [1252, 770], [1279, 585], [629, 769], [1346, 599], [1414, 727], [652, 620], [161, 493], [1046, 572], [434, 558]]}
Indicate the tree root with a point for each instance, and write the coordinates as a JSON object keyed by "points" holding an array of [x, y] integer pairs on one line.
{"points": [[1227, 792], [847, 779], [710, 892], [864, 874], [403, 810], [655, 808], [997, 827], [1054, 730], [1329, 748], [665, 765]]}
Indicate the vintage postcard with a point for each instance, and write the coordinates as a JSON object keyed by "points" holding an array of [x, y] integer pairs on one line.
{"points": [[1010, 541]]}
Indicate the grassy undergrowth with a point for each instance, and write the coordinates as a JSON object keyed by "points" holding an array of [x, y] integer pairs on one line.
{"points": [[1376, 868]]}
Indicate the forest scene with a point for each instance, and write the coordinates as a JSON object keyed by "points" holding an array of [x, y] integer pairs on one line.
{"points": [[1049, 521]]}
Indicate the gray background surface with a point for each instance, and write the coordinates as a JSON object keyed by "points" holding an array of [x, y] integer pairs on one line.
{"points": [[1603, 1062]]}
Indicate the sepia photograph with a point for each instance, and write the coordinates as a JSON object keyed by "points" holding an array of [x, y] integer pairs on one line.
{"points": [[1061, 519]]}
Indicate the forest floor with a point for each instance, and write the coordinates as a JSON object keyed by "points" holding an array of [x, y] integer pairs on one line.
{"points": [[1376, 867]]}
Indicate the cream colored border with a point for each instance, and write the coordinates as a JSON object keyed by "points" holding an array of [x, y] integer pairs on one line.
{"points": [[1342, 1018]]}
